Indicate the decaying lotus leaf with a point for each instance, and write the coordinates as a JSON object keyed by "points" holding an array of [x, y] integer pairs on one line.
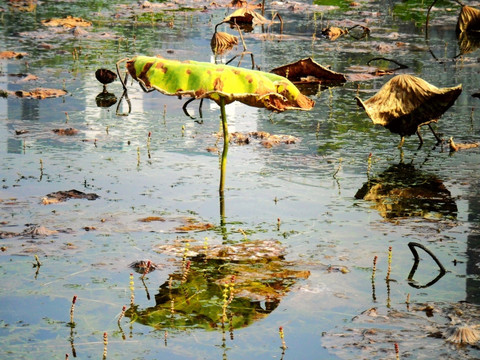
{"points": [[407, 102], [222, 42], [307, 71], [468, 20], [68, 22], [215, 81]]}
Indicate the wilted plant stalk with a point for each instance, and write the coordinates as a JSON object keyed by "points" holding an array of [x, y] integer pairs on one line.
{"points": [[38, 263], [138, 155], [148, 144]]}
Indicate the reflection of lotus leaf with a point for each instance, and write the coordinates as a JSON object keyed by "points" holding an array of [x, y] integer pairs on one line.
{"points": [[407, 102], [196, 295], [215, 81], [403, 191], [222, 42], [374, 331]]}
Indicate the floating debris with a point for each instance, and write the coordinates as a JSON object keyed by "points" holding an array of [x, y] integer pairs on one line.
{"points": [[456, 146], [12, 55], [68, 22], [60, 196]]}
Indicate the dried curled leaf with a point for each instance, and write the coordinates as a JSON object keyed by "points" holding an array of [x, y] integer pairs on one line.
{"points": [[222, 42], [307, 71], [468, 20], [68, 22], [406, 102], [333, 33], [213, 81]]}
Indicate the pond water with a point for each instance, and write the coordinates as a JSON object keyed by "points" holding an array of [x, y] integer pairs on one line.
{"points": [[318, 209]]}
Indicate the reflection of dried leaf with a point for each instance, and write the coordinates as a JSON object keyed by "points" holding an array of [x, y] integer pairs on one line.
{"points": [[12, 55], [40, 93], [68, 22], [403, 191], [468, 20], [406, 102], [61, 196], [65, 132], [306, 71], [222, 42], [333, 33]]}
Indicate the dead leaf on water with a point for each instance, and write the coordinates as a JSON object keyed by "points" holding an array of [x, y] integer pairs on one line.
{"points": [[333, 32], [192, 225], [40, 93], [152, 218], [68, 22], [65, 132]]}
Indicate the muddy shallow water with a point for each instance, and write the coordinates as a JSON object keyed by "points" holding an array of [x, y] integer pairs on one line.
{"points": [[315, 212]]}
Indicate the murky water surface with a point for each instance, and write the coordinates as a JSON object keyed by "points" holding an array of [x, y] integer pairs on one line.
{"points": [[318, 208]]}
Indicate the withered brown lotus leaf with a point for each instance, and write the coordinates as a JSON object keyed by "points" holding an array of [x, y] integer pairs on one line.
{"points": [[246, 15], [468, 20], [12, 55], [468, 41], [222, 42], [308, 71], [407, 102]]}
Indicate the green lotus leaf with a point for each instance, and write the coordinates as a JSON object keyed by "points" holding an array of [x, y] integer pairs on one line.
{"points": [[215, 81]]}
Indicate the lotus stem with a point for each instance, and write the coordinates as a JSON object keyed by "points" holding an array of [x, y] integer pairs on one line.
{"points": [[138, 155], [226, 140], [37, 262], [407, 301]]}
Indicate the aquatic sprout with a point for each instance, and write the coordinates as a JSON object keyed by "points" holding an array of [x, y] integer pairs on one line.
{"points": [[397, 351], [122, 314], [132, 290], [389, 269], [282, 337], [72, 310], [105, 343], [405, 103]]}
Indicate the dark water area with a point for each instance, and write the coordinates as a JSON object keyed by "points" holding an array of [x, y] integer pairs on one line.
{"points": [[292, 241]]}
